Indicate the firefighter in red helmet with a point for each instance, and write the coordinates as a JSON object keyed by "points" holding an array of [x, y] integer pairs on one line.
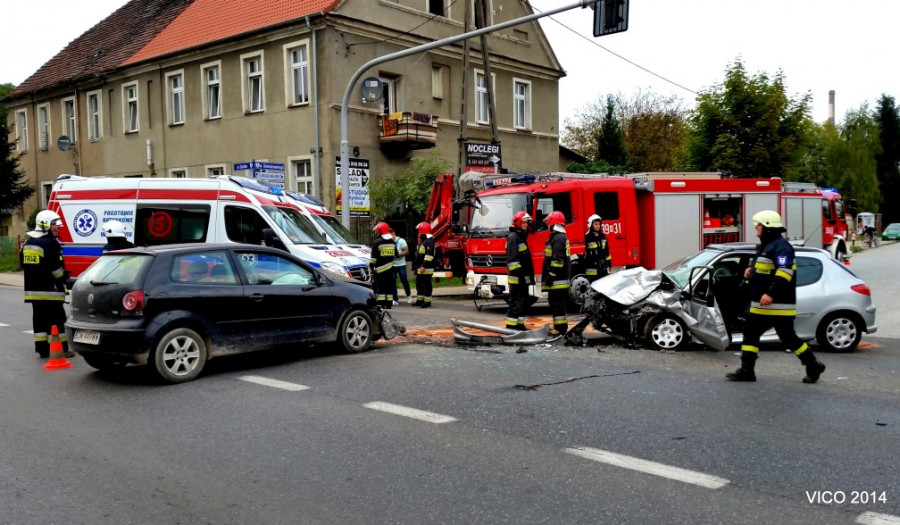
{"points": [[519, 269], [556, 272], [381, 262], [424, 265]]}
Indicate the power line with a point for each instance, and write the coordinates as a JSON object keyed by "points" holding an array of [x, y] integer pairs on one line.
{"points": [[611, 52]]}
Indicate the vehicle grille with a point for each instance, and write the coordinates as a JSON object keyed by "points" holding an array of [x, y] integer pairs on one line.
{"points": [[489, 261], [360, 273]]}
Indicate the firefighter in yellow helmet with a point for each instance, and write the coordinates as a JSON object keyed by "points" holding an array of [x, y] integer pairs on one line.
{"points": [[772, 278]]}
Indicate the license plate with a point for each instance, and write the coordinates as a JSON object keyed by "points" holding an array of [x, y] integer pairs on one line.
{"points": [[89, 337]]}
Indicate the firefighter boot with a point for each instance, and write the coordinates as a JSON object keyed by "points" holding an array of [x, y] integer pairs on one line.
{"points": [[745, 372], [814, 367]]}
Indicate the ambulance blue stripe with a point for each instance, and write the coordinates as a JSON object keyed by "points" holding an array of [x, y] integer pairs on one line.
{"points": [[82, 251]]}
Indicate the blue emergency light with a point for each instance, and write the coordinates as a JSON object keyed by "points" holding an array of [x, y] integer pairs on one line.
{"points": [[505, 181]]}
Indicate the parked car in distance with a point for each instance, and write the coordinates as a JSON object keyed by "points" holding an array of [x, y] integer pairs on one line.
{"points": [[892, 232], [175, 307]]}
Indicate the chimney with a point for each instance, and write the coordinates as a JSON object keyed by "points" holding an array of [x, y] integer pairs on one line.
{"points": [[831, 107]]}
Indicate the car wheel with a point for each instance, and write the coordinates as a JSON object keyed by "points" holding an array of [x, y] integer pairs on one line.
{"points": [[839, 332], [579, 289], [355, 332], [667, 332], [179, 356], [102, 362]]}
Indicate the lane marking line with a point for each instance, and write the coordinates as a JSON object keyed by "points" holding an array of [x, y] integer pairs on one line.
{"points": [[874, 518], [274, 383], [3, 324], [649, 467], [400, 410], [28, 332]]}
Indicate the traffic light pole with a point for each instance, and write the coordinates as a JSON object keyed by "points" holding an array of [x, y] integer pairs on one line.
{"points": [[345, 104]]}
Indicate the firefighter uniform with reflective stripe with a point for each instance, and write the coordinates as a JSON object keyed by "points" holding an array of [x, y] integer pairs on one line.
{"points": [[519, 276], [45, 289], [555, 276], [773, 273], [424, 268], [597, 260], [381, 261]]}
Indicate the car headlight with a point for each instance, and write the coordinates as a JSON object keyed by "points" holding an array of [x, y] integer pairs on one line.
{"points": [[336, 269]]}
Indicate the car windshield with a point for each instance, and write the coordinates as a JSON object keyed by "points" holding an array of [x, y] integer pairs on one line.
{"points": [[295, 225], [680, 271], [495, 215], [116, 269], [893, 227], [334, 229]]}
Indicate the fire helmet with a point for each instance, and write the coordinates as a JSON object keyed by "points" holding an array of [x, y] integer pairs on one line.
{"points": [[382, 228], [520, 220], [554, 218], [768, 218], [114, 229], [593, 218], [42, 222], [424, 228]]}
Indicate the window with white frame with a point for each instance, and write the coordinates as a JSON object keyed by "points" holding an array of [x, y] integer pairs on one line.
{"points": [[212, 93], [46, 190], [175, 82], [43, 129], [521, 104], [70, 124], [95, 115], [178, 173], [389, 92], [301, 171], [21, 130], [437, 81], [437, 7], [130, 107], [297, 64], [253, 84], [482, 114], [215, 170]]}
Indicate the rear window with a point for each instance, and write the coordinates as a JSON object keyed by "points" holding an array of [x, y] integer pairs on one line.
{"points": [[117, 269]]}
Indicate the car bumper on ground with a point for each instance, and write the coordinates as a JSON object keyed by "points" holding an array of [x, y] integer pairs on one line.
{"points": [[123, 343]]}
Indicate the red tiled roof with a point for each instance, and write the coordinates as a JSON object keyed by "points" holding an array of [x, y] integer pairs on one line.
{"points": [[145, 29], [208, 21]]}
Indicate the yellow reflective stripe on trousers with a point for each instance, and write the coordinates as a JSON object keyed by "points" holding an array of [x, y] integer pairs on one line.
{"points": [[512, 279], [590, 271], [748, 348], [784, 310], [384, 267], [45, 296], [802, 349]]}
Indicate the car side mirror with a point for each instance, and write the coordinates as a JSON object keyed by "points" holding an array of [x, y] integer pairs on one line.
{"points": [[272, 240]]}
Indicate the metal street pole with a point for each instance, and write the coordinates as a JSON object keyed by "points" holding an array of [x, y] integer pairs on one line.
{"points": [[345, 104]]}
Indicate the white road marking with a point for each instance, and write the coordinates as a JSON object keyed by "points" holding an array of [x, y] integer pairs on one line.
{"points": [[649, 467], [274, 383], [399, 410], [3, 324], [874, 518], [28, 332]]}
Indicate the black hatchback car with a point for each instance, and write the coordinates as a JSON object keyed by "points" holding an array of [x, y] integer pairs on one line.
{"points": [[175, 307]]}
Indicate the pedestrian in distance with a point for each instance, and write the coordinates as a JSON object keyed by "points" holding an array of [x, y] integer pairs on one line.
{"points": [[424, 265], [45, 282], [115, 236], [400, 268], [597, 261], [519, 269], [772, 286], [556, 272], [381, 263]]}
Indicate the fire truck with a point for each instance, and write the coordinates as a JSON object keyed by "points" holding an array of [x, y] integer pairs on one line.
{"points": [[649, 219]]}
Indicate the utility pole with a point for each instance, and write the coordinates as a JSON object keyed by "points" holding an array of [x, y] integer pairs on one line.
{"points": [[480, 19], [464, 110]]}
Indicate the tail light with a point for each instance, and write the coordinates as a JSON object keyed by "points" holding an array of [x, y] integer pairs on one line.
{"points": [[133, 301], [861, 288]]}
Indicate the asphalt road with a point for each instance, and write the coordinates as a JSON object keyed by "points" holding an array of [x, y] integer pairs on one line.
{"points": [[551, 435]]}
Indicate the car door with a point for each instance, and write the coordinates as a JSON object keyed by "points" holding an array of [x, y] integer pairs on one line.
{"points": [[287, 301], [703, 316]]}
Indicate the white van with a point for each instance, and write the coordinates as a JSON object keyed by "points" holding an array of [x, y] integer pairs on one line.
{"points": [[168, 211], [328, 225]]}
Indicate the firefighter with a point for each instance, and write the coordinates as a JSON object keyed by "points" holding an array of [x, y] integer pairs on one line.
{"points": [[556, 272], [381, 262], [45, 281], [773, 299], [519, 269], [424, 265], [596, 251], [115, 236]]}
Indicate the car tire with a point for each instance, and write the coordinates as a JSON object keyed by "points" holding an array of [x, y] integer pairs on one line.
{"points": [[102, 362], [179, 355], [839, 332], [666, 332], [355, 333], [579, 290]]}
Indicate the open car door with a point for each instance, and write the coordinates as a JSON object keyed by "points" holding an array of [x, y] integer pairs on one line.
{"points": [[703, 317]]}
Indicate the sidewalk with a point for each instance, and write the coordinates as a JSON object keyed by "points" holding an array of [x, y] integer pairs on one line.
{"points": [[13, 279]]}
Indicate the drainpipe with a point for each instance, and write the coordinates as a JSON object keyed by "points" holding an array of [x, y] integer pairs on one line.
{"points": [[317, 176]]}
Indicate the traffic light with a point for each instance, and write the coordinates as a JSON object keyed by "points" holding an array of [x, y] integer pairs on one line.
{"points": [[610, 16]]}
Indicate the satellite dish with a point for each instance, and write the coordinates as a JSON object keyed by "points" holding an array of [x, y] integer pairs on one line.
{"points": [[371, 89], [63, 143]]}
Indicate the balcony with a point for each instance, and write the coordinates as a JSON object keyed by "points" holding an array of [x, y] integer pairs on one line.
{"points": [[405, 131]]}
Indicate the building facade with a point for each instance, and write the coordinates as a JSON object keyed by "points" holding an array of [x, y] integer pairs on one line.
{"points": [[189, 88]]}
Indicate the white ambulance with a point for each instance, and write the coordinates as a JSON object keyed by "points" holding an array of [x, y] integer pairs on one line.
{"points": [[168, 211], [328, 225]]}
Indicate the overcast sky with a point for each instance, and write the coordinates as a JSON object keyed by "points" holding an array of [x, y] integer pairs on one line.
{"points": [[850, 47]]}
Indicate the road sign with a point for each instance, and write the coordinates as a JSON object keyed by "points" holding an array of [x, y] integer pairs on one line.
{"points": [[268, 175], [268, 166], [241, 166], [610, 16]]}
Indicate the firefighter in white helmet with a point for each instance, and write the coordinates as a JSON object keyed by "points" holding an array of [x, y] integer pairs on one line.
{"points": [[596, 250], [116, 236]]}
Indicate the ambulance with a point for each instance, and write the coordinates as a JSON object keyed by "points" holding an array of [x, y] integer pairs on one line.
{"points": [[168, 211], [328, 225]]}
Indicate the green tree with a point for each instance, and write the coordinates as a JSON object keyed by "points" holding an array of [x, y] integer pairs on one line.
{"points": [[850, 160], [887, 162], [749, 126], [13, 191], [655, 132], [610, 146], [408, 188]]}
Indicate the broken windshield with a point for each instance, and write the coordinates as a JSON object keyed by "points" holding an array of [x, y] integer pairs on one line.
{"points": [[680, 271], [495, 214]]}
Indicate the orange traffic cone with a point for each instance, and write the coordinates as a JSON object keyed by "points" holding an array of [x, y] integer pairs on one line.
{"points": [[57, 357], [706, 222]]}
